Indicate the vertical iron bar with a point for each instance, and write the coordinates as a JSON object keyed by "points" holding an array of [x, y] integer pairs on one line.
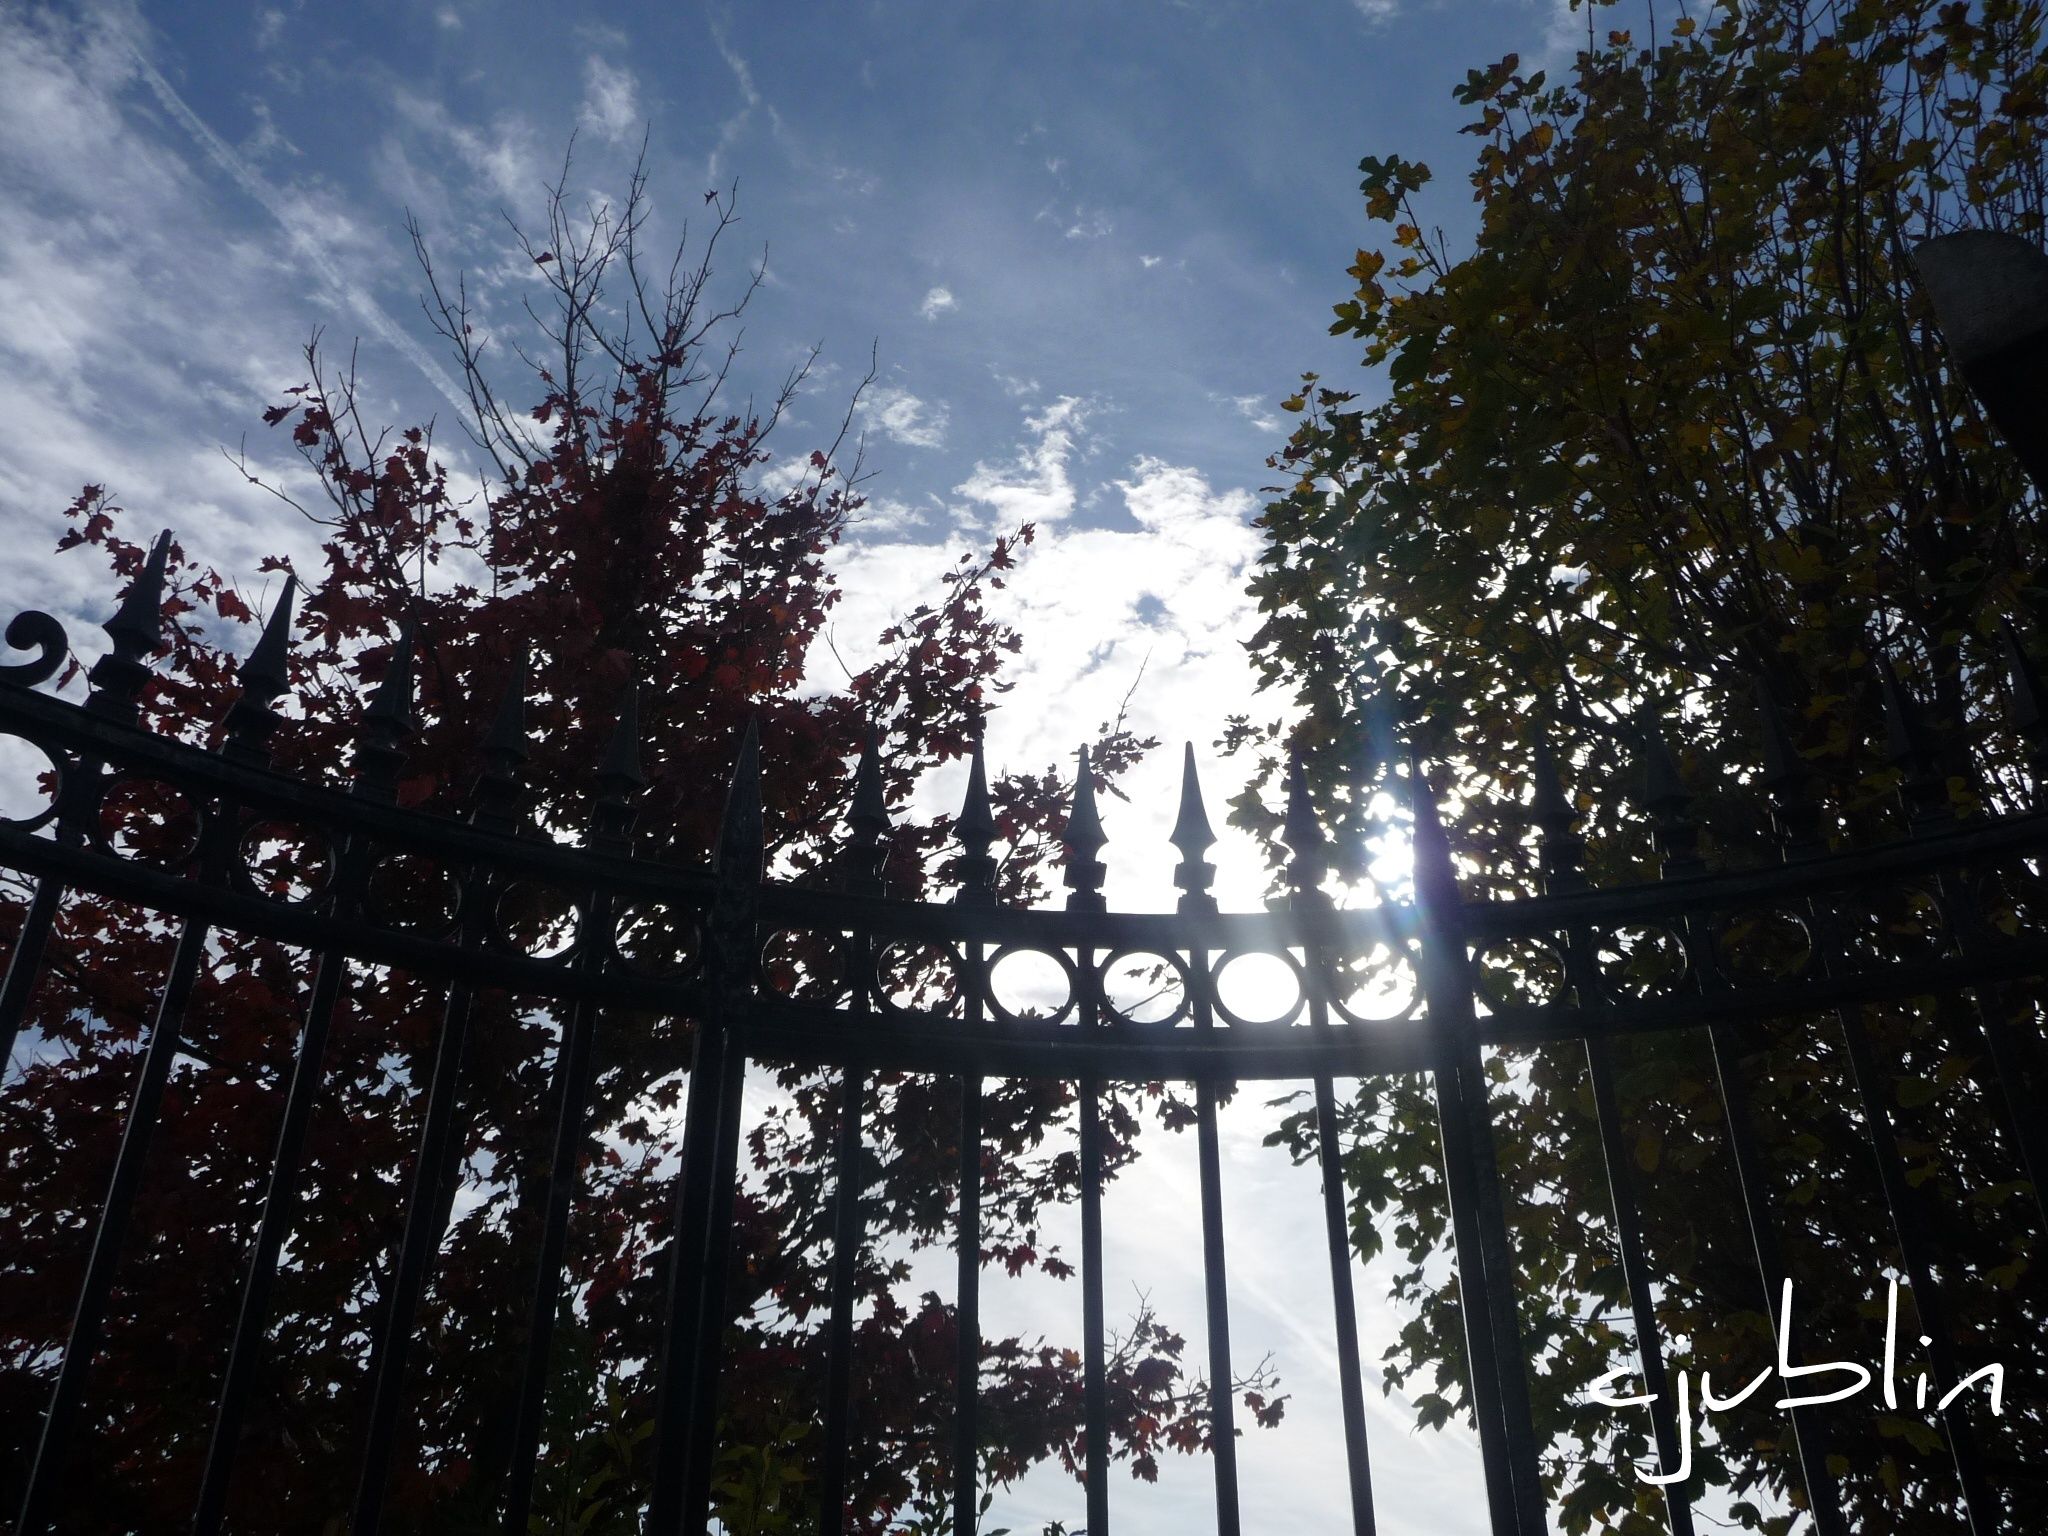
{"points": [[25, 964], [1561, 853], [846, 1238], [1337, 1227], [1486, 1275], [1635, 1274], [433, 1170], [278, 1209], [1095, 1370], [564, 1181], [1193, 837], [46, 1475], [685, 1435], [967, 1307]]}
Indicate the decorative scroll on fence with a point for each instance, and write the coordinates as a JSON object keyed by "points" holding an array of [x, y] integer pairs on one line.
{"points": [[920, 987]]}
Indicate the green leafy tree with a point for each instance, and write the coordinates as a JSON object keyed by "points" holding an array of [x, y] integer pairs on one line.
{"points": [[1675, 418]]}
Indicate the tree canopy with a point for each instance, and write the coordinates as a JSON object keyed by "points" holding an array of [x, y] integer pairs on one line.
{"points": [[621, 531], [1676, 418]]}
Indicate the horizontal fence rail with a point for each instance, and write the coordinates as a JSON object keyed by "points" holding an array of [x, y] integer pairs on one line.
{"points": [[932, 987]]}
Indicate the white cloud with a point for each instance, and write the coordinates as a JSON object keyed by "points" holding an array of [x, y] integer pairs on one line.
{"points": [[1256, 410], [937, 302], [611, 99], [1377, 10], [1034, 485], [904, 418], [1149, 262]]}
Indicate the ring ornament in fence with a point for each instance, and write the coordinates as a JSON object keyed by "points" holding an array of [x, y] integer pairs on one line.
{"points": [[146, 821], [1145, 988], [1279, 972], [658, 940], [35, 807], [535, 920], [912, 977], [1638, 961], [413, 893], [1763, 947], [805, 965], [1378, 985], [1033, 973], [285, 862], [1891, 924], [1519, 974]]}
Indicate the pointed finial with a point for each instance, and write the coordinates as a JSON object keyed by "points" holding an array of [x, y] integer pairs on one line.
{"points": [[1782, 763], [1923, 789], [1193, 837], [136, 628], [1786, 779], [1666, 798], [975, 827], [1303, 835], [619, 775], [1436, 878], [1561, 849], [739, 855], [387, 723], [2028, 716], [1083, 837], [500, 792], [263, 675], [867, 819]]}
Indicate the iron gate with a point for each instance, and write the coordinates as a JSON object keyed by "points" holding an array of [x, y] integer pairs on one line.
{"points": [[965, 1028]]}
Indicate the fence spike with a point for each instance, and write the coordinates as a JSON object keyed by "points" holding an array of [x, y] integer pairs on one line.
{"points": [[1083, 838], [1560, 849], [1193, 837], [1923, 788], [869, 815], [739, 855], [1302, 833], [2028, 716], [975, 828], [136, 629], [867, 819], [1436, 880], [1783, 766], [1666, 797], [501, 791], [619, 776], [387, 722], [621, 765], [263, 675]]}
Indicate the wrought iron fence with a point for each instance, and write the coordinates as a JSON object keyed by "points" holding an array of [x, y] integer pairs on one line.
{"points": [[1724, 976]]}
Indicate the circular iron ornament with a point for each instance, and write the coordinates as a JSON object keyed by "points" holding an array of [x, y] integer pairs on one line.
{"points": [[535, 920], [146, 820], [904, 975], [1280, 1020], [1519, 973], [1031, 1015], [1130, 1014], [1760, 948], [803, 964], [284, 862], [657, 940], [2012, 901], [1639, 961], [1890, 925], [413, 893], [37, 809], [1343, 1001]]}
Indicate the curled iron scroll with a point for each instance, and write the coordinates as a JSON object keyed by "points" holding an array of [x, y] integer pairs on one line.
{"points": [[34, 630]]}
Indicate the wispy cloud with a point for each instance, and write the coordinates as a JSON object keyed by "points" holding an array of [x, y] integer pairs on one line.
{"points": [[936, 303], [902, 417], [611, 99]]}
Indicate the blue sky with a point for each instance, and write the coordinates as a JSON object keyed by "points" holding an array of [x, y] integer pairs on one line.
{"points": [[1091, 245]]}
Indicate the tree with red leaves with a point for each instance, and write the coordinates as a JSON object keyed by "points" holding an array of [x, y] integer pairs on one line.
{"points": [[620, 533]]}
